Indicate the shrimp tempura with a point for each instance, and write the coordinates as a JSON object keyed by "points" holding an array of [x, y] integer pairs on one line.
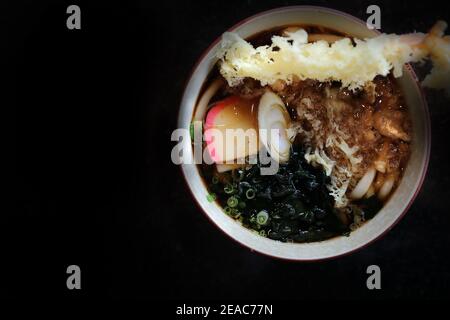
{"points": [[353, 64]]}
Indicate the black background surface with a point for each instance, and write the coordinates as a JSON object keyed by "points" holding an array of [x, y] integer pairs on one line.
{"points": [[95, 186]]}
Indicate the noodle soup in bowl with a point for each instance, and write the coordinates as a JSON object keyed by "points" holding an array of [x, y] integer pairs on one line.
{"points": [[396, 204]]}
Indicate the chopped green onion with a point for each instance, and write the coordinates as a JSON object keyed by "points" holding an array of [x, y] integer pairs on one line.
{"points": [[211, 197], [191, 130], [262, 233], [232, 202], [215, 180], [235, 213], [229, 189], [227, 210], [250, 193], [241, 174], [262, 217]]}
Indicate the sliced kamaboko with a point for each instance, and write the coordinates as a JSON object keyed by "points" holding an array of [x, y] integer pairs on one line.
{"points": [[386, 188], [273, 123], [363, 184], [231, 130], [203, 103]]}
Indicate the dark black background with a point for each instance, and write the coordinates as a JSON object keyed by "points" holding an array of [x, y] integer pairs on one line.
{"points": [[93, 112]]}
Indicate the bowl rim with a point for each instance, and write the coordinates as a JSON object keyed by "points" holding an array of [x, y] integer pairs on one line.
{"points": [[427, 132]]}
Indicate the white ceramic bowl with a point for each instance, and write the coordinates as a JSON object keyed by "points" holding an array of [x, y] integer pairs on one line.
{"points": [[399, 202]]}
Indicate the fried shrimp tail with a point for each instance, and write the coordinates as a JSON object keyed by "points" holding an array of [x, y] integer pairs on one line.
{"points": [[438, 47]]}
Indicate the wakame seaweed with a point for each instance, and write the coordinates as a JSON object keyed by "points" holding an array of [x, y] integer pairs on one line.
{"points": [[293, 205]]}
